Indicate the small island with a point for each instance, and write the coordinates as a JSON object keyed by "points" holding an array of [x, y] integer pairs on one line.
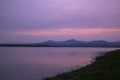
{"points": [[105, 67]]}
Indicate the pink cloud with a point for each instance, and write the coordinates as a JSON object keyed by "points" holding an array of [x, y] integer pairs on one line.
{"points": [[69, 31]]}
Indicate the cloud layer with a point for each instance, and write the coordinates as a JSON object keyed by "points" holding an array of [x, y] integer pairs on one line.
{"points": [[38, 15]]}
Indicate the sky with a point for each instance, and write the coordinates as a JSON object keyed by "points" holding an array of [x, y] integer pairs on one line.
{"points": [[40, 20]]}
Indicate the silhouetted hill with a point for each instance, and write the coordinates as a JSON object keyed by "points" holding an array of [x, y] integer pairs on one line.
{"points": [[69, 43], [76, 43]]}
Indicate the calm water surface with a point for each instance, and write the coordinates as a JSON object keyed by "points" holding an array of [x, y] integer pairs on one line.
{"points": [[26, 63]]}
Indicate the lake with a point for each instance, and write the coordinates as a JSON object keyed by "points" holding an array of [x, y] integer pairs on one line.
{"points": [[33, 63]]}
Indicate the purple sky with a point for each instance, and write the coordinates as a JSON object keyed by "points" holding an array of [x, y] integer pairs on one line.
{"points": [[39, 20]]}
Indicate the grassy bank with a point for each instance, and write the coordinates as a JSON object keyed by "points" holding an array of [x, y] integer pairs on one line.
{"points": [[106, 67]]}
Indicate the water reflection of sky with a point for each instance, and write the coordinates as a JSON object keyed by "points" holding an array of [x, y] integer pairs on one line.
{"points": [[31, 63]]}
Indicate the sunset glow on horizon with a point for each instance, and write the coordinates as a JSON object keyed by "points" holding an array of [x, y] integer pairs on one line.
{"points": [[68, 31], [40, 20]]}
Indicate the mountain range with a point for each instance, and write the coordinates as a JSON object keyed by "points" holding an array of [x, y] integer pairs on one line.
{"points": [[68, 43]]}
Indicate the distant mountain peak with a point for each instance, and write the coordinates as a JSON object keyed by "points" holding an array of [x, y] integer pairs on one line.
{"points": [[70, 43], [72, 40], [49, 41]]}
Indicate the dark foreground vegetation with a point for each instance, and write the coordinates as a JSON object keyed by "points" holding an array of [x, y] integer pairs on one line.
{"points": [[106, 67]]}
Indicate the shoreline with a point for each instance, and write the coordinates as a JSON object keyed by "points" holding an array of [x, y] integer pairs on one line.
{"points": [[105, 67], [59, 46]]}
